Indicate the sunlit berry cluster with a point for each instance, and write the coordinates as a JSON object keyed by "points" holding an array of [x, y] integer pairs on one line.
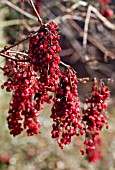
{"points": [[94, 115], [23, 113], [43, 54], [95, 118], [66, 110], [30, 81]]}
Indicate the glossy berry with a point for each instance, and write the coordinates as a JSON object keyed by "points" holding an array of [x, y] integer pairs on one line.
{"points": [[107, 13]]}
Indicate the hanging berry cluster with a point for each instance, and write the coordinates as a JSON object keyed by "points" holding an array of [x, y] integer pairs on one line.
{"points": [[66, 110], [95, 118], [23, 106], [43, 54], [35, 78], [30, 81]]}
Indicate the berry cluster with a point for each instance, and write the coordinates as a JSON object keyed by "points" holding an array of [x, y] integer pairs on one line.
{"points": [[32, 80], [94, 116], [22, 81], [43, 54], [66, 110], [105, 10]]}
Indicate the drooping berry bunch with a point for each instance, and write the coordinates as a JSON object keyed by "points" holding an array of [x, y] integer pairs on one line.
{"points": [[94, 116], [66, 110], [31, 80], [43, 54], [23, 113]]}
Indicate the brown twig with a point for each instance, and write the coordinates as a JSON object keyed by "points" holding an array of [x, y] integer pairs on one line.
{"points": [[87, 79], [13, 6], [81, 80], [105, 21], [7, 48], [17, 52], [21, 53], [8, 57], [85, 34], [37, 14], [84, 79], [106, 52], [65, 65]]}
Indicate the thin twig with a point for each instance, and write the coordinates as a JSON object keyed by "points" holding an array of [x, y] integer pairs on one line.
{"points": [[81, 80], [105, 21], [65, 65], [1, 80], [87, 79], [11, 22], [13, 6], [84, 79], [6, 56], [17, 52], [106, 52], [37, 14], [86, 27], [31, 35], [5, 49], [13, 59], [76, 5]]}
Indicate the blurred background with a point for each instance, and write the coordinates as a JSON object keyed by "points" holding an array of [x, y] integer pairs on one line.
{"points": [[87, 30]]}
